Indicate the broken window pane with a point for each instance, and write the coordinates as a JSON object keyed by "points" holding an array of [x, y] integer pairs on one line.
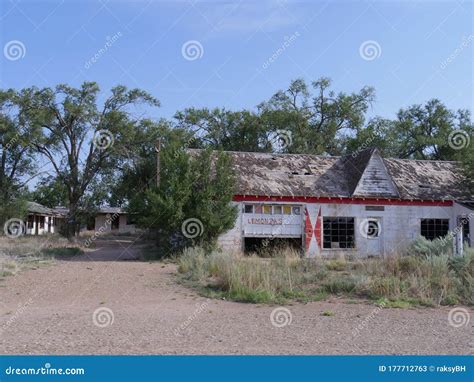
{"points": [[434, 228], [338, 232]]}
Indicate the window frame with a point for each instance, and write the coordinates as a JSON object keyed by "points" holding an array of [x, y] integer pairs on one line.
{"points": [[435, 227], [248, 205], [335, 221]]}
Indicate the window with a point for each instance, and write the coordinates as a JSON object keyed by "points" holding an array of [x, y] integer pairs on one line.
{"points": [[277, 210], [115, 221], [41, 221], [258, 209], [434, 228], [338, 232], [287, 210], [248, 209], [296, 210], [267, 210], [465, 231], [30, 221]]}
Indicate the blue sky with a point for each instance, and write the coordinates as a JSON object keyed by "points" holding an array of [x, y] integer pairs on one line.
{"points": [[411, 42]]}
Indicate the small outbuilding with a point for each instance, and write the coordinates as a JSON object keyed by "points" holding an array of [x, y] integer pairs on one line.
{"points": [[114, 219], [42, 220]]}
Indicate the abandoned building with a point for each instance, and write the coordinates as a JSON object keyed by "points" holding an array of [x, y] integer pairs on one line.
{"points": [[114, 219], [41, 220], [360, 204]]}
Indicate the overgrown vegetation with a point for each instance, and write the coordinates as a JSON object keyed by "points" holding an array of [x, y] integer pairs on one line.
{"points": [[31, 252], [397, 281], [192, 205], [59, 124]]}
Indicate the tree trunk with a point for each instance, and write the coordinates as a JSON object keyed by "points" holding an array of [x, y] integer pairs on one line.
{"points": [[71, 221]]}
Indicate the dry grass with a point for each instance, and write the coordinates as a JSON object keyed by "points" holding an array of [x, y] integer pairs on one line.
{"points": [[30, 252], [396, 281]]}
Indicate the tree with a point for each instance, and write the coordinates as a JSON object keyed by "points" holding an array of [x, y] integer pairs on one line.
{"points": [[318, 122], [224, 130], [192, 205], [16, 158], [423, 131], [50, 192], [138, 171], [82, 140]]}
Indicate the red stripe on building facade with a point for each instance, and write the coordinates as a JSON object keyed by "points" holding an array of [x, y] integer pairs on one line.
{"points": [[317, 228], [308, 229], [326, 200]]}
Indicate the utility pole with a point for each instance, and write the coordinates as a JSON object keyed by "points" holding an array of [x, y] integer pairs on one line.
{"points": [[157, 150]]}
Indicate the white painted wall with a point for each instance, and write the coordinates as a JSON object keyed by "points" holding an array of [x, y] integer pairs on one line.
{"points": [[48, 221], [399, 226], [102, 222], [232, 241]]}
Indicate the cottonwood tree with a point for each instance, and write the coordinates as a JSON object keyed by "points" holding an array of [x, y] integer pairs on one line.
{"points": [[430, 131], [317, 117], [138, 172], [224, 129], [81, 139], [16, 157], [423, 131]]}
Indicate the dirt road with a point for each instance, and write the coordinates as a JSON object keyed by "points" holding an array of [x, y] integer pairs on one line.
{"points": [[96, 306]]}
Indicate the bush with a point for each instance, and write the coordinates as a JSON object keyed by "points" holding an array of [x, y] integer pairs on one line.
{"points": [[399, 280], [438, 247]]}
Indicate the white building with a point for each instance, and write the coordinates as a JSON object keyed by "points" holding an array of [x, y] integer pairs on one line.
{"points": [[112, 220], [360, 204], [41, 220]]}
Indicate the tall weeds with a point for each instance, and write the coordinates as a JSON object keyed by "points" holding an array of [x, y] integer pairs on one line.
{"points": [[423, 280]]}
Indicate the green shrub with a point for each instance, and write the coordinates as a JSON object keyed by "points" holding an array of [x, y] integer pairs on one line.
{"points": [[437, 247], [400, 280], [336, 265]]}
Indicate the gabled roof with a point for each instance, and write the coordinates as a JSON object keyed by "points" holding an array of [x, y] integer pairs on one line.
{"points": [[111, 210], [363, 174], [37, 208]]}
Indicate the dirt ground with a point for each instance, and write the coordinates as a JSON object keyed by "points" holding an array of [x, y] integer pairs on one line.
{"points": [[94, 305]]}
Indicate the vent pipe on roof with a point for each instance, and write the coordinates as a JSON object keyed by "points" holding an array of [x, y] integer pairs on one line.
{"points": [[157, 150]]}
